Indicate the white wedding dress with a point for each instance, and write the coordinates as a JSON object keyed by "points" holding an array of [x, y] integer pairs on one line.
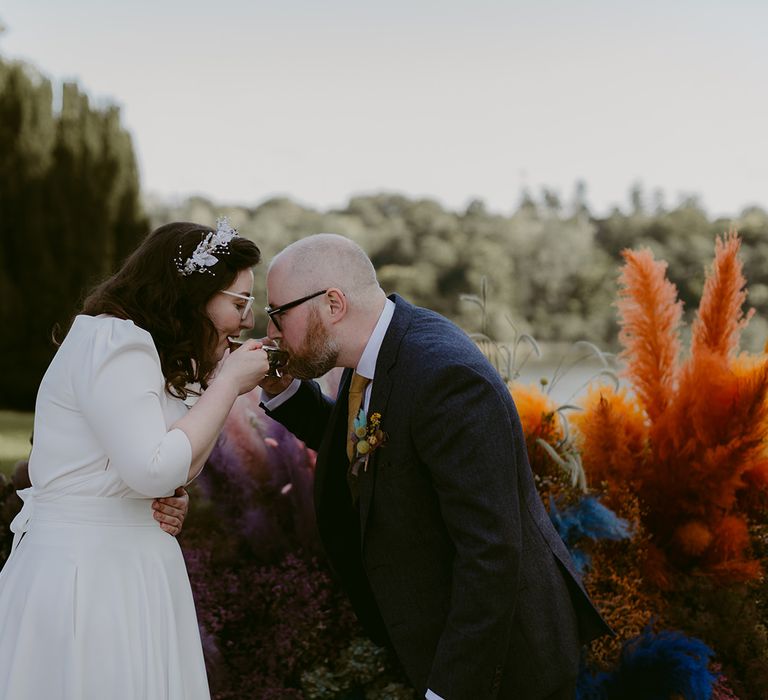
{"points": [[95, 601]]}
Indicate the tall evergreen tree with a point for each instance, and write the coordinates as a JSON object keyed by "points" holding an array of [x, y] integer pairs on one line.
{"points": [[69, 212]]}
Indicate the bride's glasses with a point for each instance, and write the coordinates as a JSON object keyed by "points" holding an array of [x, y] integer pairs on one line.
{"points": [[248, 301]]}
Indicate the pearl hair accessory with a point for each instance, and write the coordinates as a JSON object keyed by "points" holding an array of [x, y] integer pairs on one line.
{"points": [[203, 256]]}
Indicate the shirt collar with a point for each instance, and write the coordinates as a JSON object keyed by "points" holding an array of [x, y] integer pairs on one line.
{"points": [[367, 365]]}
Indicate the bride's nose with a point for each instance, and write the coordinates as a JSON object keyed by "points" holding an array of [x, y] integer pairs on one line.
{"points": [[248, 322]]}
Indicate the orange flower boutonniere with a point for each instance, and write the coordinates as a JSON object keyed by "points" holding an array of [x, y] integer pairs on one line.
{"points": [[366, 437]]}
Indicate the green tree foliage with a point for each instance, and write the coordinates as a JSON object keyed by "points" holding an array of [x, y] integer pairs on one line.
{"points": [[69, 212], [551, 268]]}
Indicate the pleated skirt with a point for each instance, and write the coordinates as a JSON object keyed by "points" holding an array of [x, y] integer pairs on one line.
{"points": [[95, 603]]}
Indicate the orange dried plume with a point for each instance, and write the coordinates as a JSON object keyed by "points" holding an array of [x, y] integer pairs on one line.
{"points": [[694, 538], [612, 436], [540, 421], [537, 412], [727, 562], [650, 317], [699, 465], [720, 318]]}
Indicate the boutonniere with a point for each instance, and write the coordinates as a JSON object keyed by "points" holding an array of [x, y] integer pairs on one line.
{"points": [[366, 437]]}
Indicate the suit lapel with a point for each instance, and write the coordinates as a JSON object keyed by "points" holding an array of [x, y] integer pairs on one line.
{"points": [[380, 393]]}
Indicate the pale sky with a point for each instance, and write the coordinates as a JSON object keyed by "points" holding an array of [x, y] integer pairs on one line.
{"points": [[243, 100]]}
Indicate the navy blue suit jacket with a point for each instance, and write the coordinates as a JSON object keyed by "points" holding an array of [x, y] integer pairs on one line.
{"points": [[450, 554]]}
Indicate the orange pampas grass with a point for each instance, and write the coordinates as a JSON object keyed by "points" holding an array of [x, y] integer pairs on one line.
{"points": [[650, 316], [538, 413], [693, 538], [726, 559], [541, 421], [691, 445], [612, 436], [720, 319]]}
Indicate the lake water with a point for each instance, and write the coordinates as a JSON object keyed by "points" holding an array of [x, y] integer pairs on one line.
{"points": [[570, 383]]}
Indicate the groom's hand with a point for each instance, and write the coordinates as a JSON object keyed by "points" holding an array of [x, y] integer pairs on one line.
{"points": [[276, 385], [171, 511]]}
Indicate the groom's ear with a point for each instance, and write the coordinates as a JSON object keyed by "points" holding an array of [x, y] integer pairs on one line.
{"points": [[337, 304]]}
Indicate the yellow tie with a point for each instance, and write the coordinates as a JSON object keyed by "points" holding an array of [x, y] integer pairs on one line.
{"points": [[356, 393]]}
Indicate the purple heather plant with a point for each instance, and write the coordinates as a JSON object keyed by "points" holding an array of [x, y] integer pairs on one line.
{"points": [[264, 624], [268, 608], [258, 483]]}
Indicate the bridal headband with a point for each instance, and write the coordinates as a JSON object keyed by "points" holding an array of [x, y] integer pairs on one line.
{"points": [[203, 256]]}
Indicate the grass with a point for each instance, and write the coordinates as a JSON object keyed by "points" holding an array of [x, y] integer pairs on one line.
{"points": [[15, 429]]}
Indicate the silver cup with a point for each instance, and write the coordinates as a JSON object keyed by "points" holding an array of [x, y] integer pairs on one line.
{"points": [[277, 357]]}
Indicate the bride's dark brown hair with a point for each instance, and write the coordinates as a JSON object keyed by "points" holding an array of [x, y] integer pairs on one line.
{"points": [[150, 291]]}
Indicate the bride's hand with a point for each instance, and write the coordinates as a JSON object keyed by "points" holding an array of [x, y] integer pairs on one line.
{"points": [[246, 366], [274, 383]]}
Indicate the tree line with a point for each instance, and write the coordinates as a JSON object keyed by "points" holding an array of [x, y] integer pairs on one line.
{"points": [[549, 269], [71, 210]]}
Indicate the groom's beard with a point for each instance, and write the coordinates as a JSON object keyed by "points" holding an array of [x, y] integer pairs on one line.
{"points": [[318, 352]]}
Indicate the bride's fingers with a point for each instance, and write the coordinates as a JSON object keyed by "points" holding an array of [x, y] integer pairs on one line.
{"points": [[251, 344]]}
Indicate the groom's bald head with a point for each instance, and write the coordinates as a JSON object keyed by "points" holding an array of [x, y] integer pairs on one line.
{"points": [[323, 261], [330, 329]]}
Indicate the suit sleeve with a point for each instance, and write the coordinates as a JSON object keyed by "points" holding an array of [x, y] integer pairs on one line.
{"points": [[305, 414], [464, 434]]}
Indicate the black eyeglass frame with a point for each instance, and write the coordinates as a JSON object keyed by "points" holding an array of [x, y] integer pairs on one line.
{"points": [[274, 313]]}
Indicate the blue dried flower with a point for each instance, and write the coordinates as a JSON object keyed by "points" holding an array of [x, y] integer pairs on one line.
{"points": [[655, 667], [587, 519]]}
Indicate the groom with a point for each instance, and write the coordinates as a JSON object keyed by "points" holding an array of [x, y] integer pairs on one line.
{"points": [[436, 530]]}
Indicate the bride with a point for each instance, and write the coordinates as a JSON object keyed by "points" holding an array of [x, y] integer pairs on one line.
{"points": [[95, 601]]}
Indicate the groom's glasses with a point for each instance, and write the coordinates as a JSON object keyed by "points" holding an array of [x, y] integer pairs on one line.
{"points": [[274, 314], [248, 301]]}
